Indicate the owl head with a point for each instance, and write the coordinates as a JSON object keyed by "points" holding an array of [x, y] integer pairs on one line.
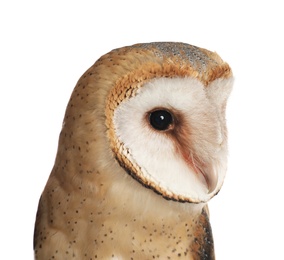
{"points": [[160, 108]]}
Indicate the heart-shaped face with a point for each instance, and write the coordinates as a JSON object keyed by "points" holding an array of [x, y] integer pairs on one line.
{"points": [[171, 137], [165, 115]]}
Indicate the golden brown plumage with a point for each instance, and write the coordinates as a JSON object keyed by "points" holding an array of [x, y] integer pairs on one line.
{"points": [[93, 205]]}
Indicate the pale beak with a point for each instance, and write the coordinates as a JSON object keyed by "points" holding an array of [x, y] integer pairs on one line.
{"points": [[206, 174], [211, 178]]}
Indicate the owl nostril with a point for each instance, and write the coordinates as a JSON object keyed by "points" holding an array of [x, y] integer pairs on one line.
{"points": [[161, 120]]}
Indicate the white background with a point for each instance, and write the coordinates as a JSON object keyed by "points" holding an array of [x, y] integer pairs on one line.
{"points": [[47, 45]]}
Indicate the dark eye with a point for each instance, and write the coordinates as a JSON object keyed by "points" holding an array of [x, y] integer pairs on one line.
{"points": [[161, 120]]}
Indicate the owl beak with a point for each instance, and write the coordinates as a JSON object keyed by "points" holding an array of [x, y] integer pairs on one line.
{"points": [[206, 174], [211, 178]]}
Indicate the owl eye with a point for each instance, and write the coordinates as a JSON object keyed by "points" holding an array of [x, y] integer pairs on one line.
{"points": [[161, 120]]}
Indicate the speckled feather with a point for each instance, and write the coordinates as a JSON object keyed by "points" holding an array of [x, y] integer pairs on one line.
{"points": [[91, 208]]}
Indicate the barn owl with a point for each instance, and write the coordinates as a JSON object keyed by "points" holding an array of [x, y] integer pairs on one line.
{"points": [[142, 150]]}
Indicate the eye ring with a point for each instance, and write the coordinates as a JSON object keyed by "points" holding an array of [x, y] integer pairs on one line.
{"points": [[161, 119]]}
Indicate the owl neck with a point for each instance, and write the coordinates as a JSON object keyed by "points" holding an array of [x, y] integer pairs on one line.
{"points": [[145, 220]]}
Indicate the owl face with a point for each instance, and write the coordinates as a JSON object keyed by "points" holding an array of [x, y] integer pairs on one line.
{"points": [[171, 136]]}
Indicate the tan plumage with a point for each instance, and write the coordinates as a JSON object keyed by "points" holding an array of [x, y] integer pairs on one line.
{"points": [[93, 205]]}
